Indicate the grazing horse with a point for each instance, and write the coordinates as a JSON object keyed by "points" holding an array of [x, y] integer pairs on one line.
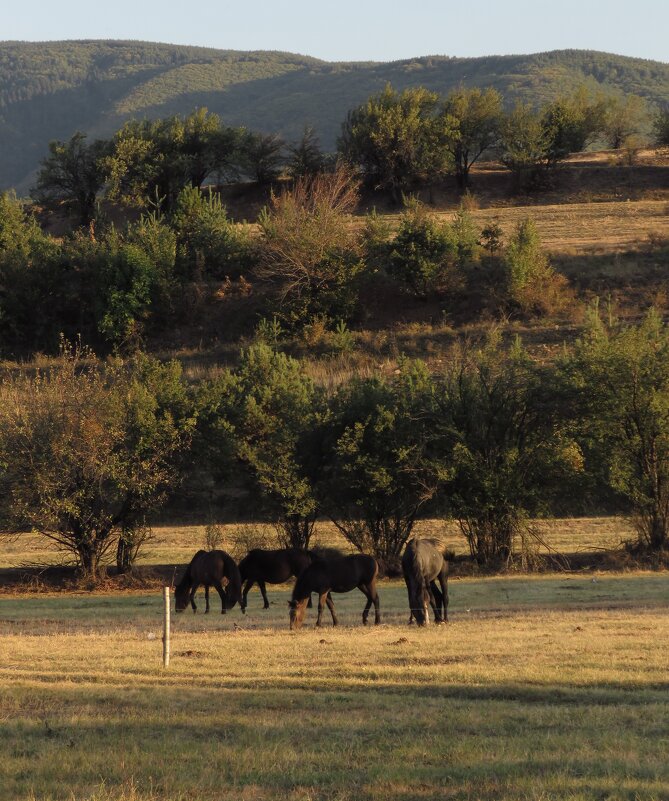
{"points": [[423, 564], [335, 575], [271, 567], [211, 568]]}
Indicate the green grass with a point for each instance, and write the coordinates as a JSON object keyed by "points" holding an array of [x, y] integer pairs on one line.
{"points": [[540, 688]]}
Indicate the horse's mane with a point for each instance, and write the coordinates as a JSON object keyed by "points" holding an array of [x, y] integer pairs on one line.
{"points": [[186, 579], [323, 553]]}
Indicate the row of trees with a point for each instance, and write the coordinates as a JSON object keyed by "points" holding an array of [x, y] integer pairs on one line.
{"points": [[401, 138], [307, 262], [149, 162], [396, 139], [89, 450]]}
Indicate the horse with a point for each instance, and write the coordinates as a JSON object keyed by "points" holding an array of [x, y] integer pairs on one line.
{"points": [[342, 574], [424, 563], [211, 568], [272, 567]]}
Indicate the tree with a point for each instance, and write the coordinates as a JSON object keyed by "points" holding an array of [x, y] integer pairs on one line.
{"points": [[308, 251], [72, 174], [151, 161], [625, 117], [264, 411], [620, 374], [263, 156], [524, 145], [572, 122], [423, 253], [505, 444], [306, 157], [377, 472], [209, 243], [471, 119], [532, 285], [87, 453], [396, 139], [661, 127]]}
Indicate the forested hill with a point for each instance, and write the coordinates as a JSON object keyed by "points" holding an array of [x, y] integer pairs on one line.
{"points": [[50, 90]]}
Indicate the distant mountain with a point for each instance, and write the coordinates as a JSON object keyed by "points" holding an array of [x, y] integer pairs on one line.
{"points": [[50, 90]]}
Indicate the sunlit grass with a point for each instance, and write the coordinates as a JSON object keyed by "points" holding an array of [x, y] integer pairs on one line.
{"points": [[550, 688]]}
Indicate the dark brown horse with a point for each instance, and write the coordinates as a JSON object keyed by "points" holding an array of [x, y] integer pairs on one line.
{"points": [[423, 564], [342, 574], [271, 567], [212, 569]]}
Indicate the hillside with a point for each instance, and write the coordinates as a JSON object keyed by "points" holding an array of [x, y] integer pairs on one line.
{"points": [[50, 90]]}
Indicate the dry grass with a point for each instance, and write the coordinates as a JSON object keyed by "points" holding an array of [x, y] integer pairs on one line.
{"points": [[538, 689], [176, 544]]}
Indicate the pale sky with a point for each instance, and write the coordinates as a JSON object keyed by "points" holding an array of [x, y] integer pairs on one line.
{"points": [[356, 30]]}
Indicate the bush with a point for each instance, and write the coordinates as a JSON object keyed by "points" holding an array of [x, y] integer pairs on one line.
{"points": [[209, 244], [532, 286], [308, 253], [424, 253]]}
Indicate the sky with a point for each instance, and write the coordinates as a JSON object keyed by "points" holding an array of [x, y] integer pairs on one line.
{"points": [[356, 30]]}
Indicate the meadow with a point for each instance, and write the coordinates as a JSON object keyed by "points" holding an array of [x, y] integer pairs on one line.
{"points": [[540, 687]]}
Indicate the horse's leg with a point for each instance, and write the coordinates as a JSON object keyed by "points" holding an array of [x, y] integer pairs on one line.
{"points": [[331, 607], [193, 589], [375, 600], [443, 580], [261, 584], [247, 587], [321, 602], [436, 599], [410, 603], [206, 599], [365, 612], [221, 592]]}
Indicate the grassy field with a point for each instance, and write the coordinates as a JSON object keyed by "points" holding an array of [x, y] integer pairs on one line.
{"points": [[177, 544], [539, 688]]}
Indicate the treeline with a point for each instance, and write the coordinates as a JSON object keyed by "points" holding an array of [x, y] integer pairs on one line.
{"points": [[305, 263], [89, 450], [397, 140]]}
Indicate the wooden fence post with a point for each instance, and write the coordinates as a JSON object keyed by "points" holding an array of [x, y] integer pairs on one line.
{"points": [[166, 626]]}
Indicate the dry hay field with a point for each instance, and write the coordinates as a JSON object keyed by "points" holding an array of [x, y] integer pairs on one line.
{"points": [[541, 687]]}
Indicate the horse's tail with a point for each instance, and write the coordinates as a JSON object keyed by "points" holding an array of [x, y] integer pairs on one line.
{"points": [[233, 591]]}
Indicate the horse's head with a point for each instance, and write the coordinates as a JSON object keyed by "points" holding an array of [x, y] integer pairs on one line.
{"points": [[180, 598], [297, 611]]}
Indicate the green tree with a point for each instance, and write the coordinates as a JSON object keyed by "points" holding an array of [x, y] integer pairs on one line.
{"points": [[263, 156], [531, 284], [306, 157], [265, 408], [377, 472], [504, 442], [87, 453], [661, 127], [471, 119], [524, 145], [620, 374], [396, 138], [625, 117], [572, 122], [209, 243], [423, 253], [72, 174]]}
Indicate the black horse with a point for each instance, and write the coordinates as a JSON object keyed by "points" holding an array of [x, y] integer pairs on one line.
{"points": [[423, 564], [211, 568], [337, 575], [271, 567]]}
